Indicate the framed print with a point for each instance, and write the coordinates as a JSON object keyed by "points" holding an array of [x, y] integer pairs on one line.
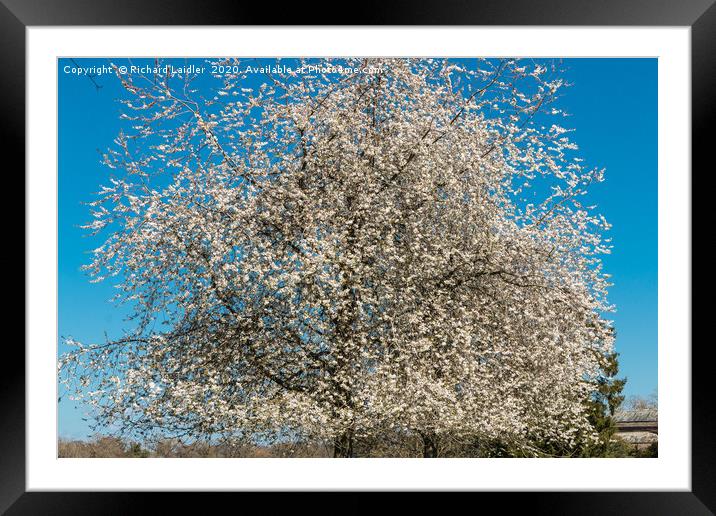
{"points": [[310, 257]]}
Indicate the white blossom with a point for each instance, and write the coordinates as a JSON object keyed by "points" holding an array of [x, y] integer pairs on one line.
{"points": [[334, 255]]}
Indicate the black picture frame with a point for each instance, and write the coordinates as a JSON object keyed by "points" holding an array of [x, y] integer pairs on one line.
{"points": [[700, 15]]}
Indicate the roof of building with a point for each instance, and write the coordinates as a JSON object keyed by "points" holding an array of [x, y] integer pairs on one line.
{"points": [[633, 416]]}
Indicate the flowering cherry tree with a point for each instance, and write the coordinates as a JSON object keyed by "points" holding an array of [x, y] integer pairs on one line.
{"points": [[353, 246]]}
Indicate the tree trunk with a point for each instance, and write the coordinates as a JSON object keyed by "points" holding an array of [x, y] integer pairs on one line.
{"points": [[430, 446], [343, 445]]}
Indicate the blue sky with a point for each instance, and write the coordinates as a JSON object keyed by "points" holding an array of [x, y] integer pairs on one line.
{"points": [[613, 107]]}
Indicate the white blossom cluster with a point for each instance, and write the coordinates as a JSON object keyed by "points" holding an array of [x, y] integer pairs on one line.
{"points": [[333, 256]]}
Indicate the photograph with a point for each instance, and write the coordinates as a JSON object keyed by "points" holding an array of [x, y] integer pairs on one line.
{"points": [[357, 257]]}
